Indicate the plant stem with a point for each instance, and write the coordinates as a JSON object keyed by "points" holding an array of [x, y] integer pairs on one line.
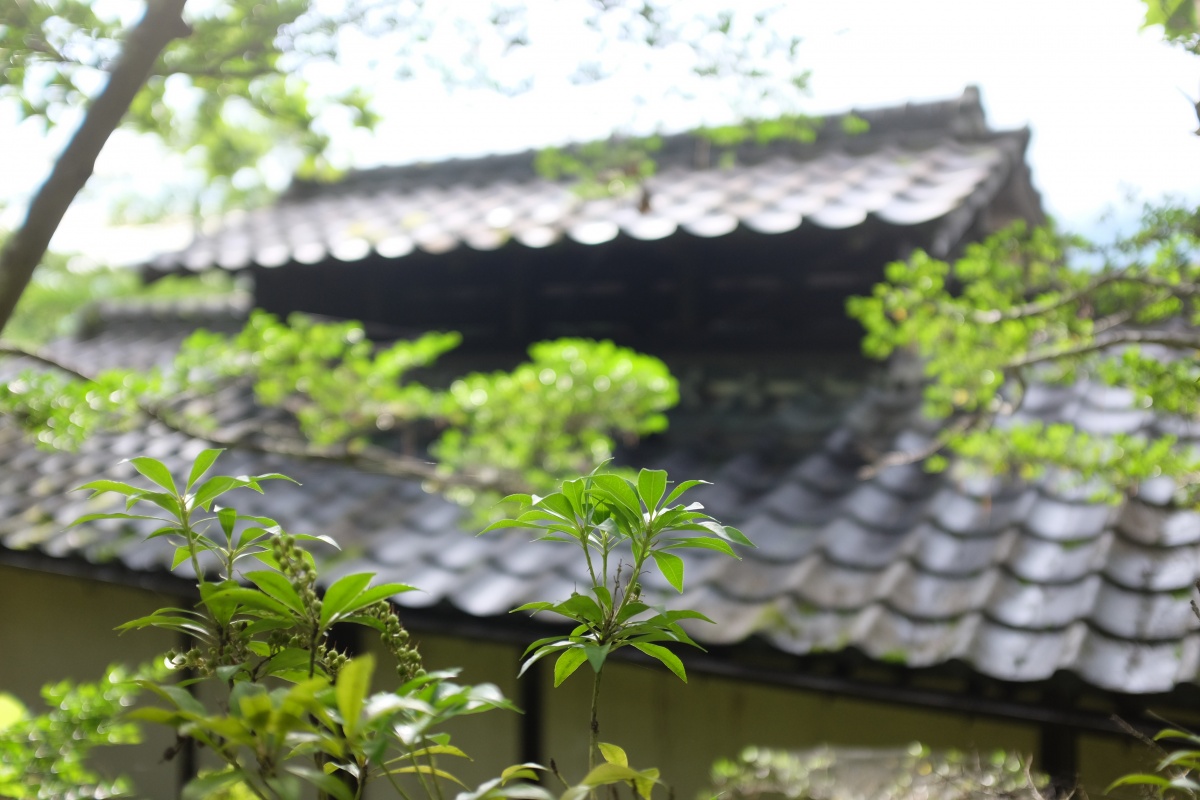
{"points": [[392, 780], [191, 541], [594, 723], [433, 777]]}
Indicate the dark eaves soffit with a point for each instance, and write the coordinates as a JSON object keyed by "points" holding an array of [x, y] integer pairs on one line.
{"points": [[917, 164]]}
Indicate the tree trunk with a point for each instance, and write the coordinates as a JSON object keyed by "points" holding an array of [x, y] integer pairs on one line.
{"points": [[162, 23]]}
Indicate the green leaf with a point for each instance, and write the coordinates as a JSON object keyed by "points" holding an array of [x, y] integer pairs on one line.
{"points": [[681, 488], [582, 608], [155, 471], [329, 540], [652, 483], [609, 773], [558, 505], [384, 591], [618, 490], [100, 487], [669, 659], [542, 652], [539, 605], [421, 769], [180, 698], [671, 567], [213, 488], [228, 518], [278, 587], [12, 711], [737, 537], [1139, 779], [201, 465], [206, 786], [720, 545], [326, 783], [503, 523], [525, 770], [353, 683], [341, 595], [182, 554], [251, 599], [571, 659], [596, 654], [613, 754], [227, 671], [275, 476]]}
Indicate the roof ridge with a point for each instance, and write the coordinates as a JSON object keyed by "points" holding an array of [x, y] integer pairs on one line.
{"points": [[961, 117]]}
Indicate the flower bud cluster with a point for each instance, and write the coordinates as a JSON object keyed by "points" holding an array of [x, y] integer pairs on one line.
{"points": [[396, 639], [299, 571]]}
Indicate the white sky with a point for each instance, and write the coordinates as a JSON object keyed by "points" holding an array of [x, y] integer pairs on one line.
{"points": [[1104, 102]]}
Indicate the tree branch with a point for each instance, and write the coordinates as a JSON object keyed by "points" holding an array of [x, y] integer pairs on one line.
{"points": [[900, 458], [992, 315], [370, 458], [162, 24], [1180, 340]]}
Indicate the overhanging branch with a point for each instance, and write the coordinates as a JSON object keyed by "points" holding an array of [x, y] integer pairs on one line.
{"points": [[369, 458], [1179, 340]]}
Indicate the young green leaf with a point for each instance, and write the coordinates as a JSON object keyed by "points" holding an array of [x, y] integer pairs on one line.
{"points": [[570, 660], [341, 595], [354, 681], [213, 488], [617, 490], [582, 608], [651, 483], [155, 471], [100, 487], [613, 754], [278, 587], [201, 466], [681, 488], [596, 654], [671, 567], [669, 659]]}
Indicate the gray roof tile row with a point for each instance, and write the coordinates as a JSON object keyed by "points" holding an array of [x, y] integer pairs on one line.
{"points": [[935, 161]]}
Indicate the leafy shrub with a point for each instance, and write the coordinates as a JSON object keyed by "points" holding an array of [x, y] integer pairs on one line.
{"points": [[43, 757], [295, 711]]}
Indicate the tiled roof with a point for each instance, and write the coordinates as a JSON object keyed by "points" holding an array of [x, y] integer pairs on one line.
{"points": [[918, 164], [1017, 581]]}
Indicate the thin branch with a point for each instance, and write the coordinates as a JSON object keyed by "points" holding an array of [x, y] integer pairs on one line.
{"points": [[369, 458], [1179, 340], [992, 315], [162, 24], [899, 458]]}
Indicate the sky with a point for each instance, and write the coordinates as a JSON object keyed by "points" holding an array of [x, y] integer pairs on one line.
{"points": [[1112, 124]]}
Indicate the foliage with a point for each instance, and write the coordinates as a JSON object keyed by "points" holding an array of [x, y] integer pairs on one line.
{"points": [[1015, 311], [44, 756], [227, 95], [247, 94], [60, 296], [829, 773], [558, 413], [610, 519], [294, 710], [1178, 20], [1176, 774], [553, 416]]}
